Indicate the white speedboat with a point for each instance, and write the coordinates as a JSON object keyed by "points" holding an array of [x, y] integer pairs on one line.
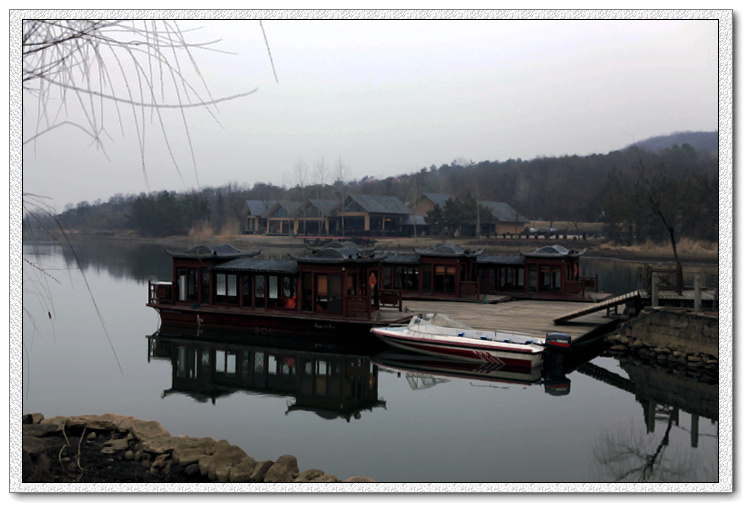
{"points": [[440, 335]]}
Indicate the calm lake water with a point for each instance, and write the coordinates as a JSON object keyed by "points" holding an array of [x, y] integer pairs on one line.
{"points": [[351, 412]]}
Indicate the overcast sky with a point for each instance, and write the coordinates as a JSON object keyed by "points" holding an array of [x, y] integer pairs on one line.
{"points": [[391, 97]]}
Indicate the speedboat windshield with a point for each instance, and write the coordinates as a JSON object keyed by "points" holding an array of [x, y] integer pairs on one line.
{"points": [[438, 320]]}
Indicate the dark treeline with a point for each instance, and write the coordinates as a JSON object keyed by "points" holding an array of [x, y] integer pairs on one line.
{"points": [[638, 194]]}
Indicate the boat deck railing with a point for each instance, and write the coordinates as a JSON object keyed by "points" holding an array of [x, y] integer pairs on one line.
{"points": [[160, 292]]}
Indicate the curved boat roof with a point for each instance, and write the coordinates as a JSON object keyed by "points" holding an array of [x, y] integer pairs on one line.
{"points": [[223, 251], [259, 265], [448, 251], [341, 255]]}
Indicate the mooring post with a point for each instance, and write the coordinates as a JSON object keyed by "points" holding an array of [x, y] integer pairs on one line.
{"points": [[655, 289], [696, 293]]}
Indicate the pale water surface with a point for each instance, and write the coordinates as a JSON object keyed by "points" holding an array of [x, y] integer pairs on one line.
{"points": [[594, 424]]}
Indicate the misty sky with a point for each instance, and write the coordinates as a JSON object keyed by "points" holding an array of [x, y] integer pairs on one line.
{"points": [[391, 97]]}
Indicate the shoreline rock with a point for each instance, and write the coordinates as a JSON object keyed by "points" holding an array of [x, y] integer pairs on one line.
{"points": [[116, 448], [697, 364]]}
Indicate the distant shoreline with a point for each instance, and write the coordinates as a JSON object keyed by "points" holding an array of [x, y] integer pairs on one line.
{"points": [[695, 253]]}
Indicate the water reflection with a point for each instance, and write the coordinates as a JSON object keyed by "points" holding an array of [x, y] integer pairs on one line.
{"points": [[671, 405], [615, 420], [119, 259], [619, 277], [670, 438], [332, 382], [424, 372]]}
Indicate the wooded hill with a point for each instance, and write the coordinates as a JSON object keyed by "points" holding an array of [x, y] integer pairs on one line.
{"points": [[701, 141], [628, 190]]}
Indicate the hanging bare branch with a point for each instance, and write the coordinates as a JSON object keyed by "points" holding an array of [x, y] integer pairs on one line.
{"points": [[124, 62], [76, 69]]}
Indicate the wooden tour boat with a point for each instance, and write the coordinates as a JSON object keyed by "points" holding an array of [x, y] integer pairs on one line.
{"points": [[333, 291], [344, 288]]}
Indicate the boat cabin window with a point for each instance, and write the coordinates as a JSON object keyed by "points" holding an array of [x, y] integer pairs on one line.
{"points": [[187, 284], [282, 291], [335, 294], [444, 279], [387, 277], [226, 288], [260, 291], [322, 293], [328, 294], [273, 299], [550, 278], [205, 287], [532, 278], [306, 295], [488, 278], [289, 292], [351, 284], [426, 278], [511, 278], [407, 278], [246, 293]]}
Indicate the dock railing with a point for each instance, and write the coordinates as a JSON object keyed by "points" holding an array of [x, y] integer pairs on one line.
{"points": [[391, 298], [579, 286], [469, 288], [159, 292], [359, 304]]}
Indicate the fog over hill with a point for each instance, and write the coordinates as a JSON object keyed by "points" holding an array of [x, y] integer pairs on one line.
{"points": [[701, 141]]}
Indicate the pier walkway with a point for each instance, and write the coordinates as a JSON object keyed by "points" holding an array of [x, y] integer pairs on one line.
{"points": [[610, 303], [534, 317]]}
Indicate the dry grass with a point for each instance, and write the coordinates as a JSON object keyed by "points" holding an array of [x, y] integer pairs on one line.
{"points": [[569, 226], [686, 248], [201, 231]]}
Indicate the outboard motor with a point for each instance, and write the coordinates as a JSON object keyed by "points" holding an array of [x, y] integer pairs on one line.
{"points": [[558, 341], [555, 381]]}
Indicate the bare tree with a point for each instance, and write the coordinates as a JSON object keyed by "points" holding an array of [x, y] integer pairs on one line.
{"points": [[91, 65], [301, 182], [653, 191], [301, 178], [74, 71], [342, 174], [629, 457], [321, 172], [413, 191]]}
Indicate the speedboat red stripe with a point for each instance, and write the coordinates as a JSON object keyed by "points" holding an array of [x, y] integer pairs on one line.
{"points": [[478, 345], [456, 352]]}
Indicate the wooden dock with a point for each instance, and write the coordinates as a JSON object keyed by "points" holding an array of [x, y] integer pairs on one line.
{"points": [[610, 303], [534, 317]]}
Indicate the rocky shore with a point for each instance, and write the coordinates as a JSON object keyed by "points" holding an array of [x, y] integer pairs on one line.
{"points": [[683, 340], [112, 448], [702, 366]]}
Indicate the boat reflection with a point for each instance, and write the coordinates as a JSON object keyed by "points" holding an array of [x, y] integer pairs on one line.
{"points": [[332, 381], [423, 372]]}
